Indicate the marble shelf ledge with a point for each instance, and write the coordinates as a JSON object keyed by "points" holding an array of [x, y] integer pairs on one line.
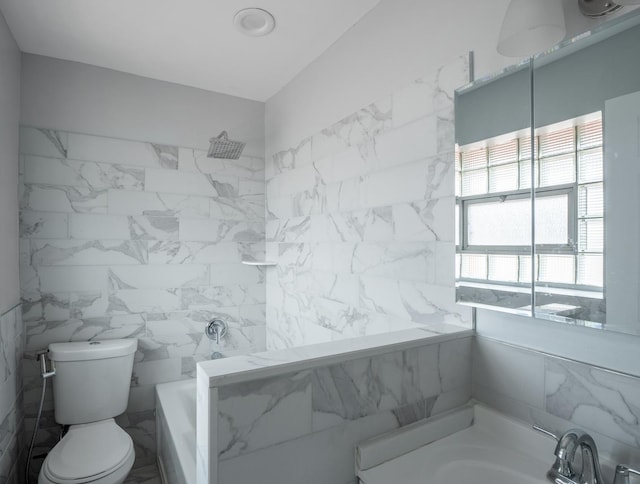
{"points": [[261, 263], [256, 366]]}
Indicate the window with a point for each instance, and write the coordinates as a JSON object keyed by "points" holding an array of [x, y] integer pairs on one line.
{"points": [[493, 210]]}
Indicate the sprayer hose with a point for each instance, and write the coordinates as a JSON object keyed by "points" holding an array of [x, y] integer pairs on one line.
{"points": [[35, 431]]}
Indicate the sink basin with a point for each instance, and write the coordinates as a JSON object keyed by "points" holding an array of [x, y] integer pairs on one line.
{"points": [[494, 449]]}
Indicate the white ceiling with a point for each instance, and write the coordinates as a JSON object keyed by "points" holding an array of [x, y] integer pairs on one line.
{"points": [[190, 42]]}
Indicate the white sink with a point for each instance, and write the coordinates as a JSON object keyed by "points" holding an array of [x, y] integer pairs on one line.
{"points": [[494, 450]]}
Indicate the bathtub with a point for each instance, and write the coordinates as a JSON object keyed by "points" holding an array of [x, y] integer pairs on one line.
{"points": [[176, 427]]}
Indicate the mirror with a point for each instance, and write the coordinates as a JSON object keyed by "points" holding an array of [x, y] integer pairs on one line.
{"points": [[584, 119]]}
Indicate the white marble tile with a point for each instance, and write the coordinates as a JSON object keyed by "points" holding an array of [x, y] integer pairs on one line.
{"points": [[37, 306], [364, 225], [396, 260], [296, 229], [422, 303], [594, 399], [43, 142], [153, 228], [120, 227], [509, 371], [431, 93], [248, 207], [97, 227], [320, 457], [59, 171], [358, 128], [86, 304], [135, 301], [87, 252], [43, 225], [197, 161], [56, 198], [158, 277], [235, 273], [425, 220], [252, 314], [289, 159], [72, 279], [263, 413], [192, 230], [123, 202], [404, 183], [411, 142], [118, 151], [223, 296], [169, 252], [190, 183], [250, 187]]}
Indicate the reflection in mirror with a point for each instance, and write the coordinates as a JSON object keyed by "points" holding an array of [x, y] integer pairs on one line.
{"points": [[584, 167], [493, 193], [583, 99]]}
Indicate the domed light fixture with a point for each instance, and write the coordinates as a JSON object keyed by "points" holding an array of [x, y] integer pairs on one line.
{"points": [[531, 26], [255, 22]]}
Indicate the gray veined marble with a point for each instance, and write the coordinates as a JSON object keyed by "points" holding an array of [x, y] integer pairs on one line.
{"points": [[56, 140], [279, 409], [606, 402], [43, 225], [167, 155], [87, 174], [364, 225], [45, 307], [89, 252], [55, 198], [153, 228], [354, 130], [249, 207], [290, 159]]}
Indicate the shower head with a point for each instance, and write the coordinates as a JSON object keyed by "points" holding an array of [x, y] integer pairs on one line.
{"points": [[223, 147]]}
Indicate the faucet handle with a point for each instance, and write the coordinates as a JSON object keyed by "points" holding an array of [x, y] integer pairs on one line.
{"points": [[546, 432], [622, 474]]}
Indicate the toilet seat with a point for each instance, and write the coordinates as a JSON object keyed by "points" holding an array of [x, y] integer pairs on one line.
{"points": [[88, 453]]}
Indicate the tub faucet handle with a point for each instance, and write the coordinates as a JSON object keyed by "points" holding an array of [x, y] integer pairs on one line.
{"points": [[216, 329]]}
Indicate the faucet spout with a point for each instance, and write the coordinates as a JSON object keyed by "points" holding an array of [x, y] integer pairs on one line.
{"points": [[562, 471], [591, 472]]}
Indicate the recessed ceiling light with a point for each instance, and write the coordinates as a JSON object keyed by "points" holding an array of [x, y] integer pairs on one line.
{"points": [[254, 21]]}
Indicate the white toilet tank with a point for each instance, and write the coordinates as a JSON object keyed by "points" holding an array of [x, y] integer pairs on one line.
{"points": [[92, 379]]}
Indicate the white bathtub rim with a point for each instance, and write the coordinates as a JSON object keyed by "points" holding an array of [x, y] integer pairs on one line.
{"points": [[167, 395]]}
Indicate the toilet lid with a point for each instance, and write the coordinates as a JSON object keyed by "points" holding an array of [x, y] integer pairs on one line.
{"points": [[89, 451]]}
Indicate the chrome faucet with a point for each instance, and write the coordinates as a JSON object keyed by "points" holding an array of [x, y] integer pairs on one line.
{"points": [[562, 471]]}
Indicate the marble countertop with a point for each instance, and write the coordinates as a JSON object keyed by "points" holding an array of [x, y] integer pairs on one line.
{"points": [[239, 369]]}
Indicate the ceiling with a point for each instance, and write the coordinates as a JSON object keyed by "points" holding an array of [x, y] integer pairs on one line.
{"points": [[190, 42]]}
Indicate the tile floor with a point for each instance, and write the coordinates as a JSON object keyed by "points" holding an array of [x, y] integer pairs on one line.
{"points": [[144, 475]]}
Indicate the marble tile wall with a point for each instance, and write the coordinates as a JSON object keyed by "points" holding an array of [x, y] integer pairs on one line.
{"points": [[360, 218], [559, 394], [11, 396], [128, 239], [316, 417]]}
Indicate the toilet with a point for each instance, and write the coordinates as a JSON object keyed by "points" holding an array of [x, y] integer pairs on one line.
{"points": [[90, 388]]}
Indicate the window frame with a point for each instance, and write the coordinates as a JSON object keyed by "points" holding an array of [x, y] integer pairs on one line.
{"points": [[572, 190]]}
